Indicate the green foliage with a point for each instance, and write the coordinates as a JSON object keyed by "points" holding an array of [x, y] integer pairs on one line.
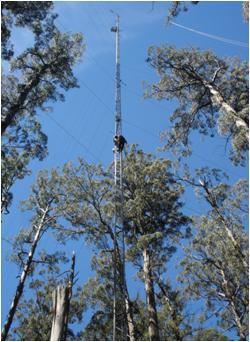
{"points": [[44, 196], [175, 324], [214, 265], [42, 203], [35, 78], [153, 219], [34, 314], [28, 14], [87, 202], [210, 334], [211, 91], [47, 192], [151, 214], [20, 145], [98, 295]]}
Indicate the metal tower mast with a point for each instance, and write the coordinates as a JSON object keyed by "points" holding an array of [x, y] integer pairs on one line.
{"points": [[119, 307]]}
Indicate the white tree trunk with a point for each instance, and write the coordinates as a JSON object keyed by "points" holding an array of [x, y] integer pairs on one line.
{"points": [[131, 326], [60, 308], [20, 286], [218, 100]]}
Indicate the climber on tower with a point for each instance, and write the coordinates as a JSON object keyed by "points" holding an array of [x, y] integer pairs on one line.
{"points": [[120, 141]]}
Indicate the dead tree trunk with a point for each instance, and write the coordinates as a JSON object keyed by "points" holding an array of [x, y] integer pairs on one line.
{"points": [[20, 286], [153, 327], [61, 307], [60, 304]]}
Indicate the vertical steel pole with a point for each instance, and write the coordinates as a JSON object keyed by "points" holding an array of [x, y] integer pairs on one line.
{"points": [[119, 245], [118, 114]]}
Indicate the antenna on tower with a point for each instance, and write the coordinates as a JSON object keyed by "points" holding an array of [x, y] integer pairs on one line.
{"points": [[119, 305]]}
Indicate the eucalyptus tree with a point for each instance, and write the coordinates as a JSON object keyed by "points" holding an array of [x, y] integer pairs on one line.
{"points": [[228, 206], [215, 266], [212, 92], [39, 75], [89, 206], [152, 217], [43, 204], [153, 221]]}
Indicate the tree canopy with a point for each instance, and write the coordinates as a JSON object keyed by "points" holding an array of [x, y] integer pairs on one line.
{"points": [[147, 268], [38, 76], [28, 14], [212, 92]]}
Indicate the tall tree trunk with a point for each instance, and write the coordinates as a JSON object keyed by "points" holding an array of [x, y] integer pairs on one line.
{"points": [[153, 328], [129, 316], [60, 314], [218, 99], [20, 286], [70, 286]]}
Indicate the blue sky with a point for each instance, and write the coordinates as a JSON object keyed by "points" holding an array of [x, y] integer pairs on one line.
{"points": [[84, 124]]}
